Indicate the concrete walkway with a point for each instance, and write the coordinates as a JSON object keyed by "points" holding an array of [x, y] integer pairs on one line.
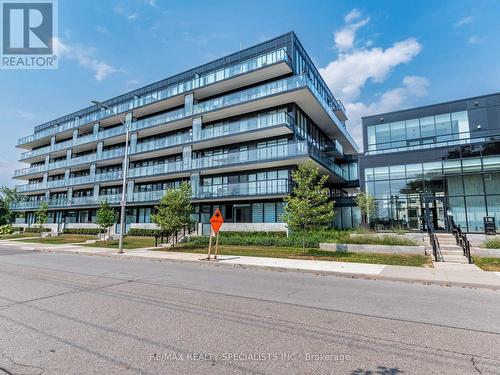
{"points": [[462, 275]]}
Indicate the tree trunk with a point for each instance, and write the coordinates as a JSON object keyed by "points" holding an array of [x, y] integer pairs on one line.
{"points": [[304, 242]]}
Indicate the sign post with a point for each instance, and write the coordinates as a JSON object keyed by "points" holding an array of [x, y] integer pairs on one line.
{"points": [[216, 222]]}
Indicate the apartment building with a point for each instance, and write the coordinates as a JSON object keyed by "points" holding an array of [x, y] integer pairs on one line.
{"points": [[234, 128]]}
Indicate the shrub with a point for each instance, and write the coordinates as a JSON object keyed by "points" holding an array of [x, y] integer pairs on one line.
{"points": [[384, 240], [492, 243], [279, 239], [36, 229], [143, 232], [81, 231], [6, 229]]}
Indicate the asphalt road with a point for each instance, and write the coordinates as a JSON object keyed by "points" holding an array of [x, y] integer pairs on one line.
{"points": [[80, 314]]}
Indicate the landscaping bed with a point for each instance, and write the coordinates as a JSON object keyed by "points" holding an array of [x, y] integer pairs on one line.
{"points": [[310, 254], [61, 239], [129, 242], [488, 263]]}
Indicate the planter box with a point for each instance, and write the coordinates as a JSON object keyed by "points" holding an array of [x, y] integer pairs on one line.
{"points": [[366, 248], [415, 236], [483, 252]]}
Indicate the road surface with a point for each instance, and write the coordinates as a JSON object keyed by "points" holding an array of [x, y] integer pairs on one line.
{"points": [[80, 314]]}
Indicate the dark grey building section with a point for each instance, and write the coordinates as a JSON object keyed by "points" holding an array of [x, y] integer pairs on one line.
{"points": [[439, 160]]}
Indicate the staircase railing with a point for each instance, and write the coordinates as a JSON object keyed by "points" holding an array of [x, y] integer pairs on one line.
{"points": [[434, 242], [462, 241]]}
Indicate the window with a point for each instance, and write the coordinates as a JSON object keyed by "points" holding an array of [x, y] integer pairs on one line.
{"points": [[398, 131], [443, 124], [427, 127]]}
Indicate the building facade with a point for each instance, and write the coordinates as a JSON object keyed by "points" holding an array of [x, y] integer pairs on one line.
{"points": [[434, 162], [234, 129]]}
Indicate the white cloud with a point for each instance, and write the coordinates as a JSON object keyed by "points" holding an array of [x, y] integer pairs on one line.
{"points": [[25, 114], [344, 38], [102, 30], [347, 75], [391, 100], [85, 57], [150, 2], [132, 16], [476, 39], [355, 66], [352, 15], [464, 21]]}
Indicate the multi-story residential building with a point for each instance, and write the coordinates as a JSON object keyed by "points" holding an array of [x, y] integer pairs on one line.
{"points": [[234, 129], [435, 162]]}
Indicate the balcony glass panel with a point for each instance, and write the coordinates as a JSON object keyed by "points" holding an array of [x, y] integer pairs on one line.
{"points": [[267, 187], [163, 142], [152, 170]]}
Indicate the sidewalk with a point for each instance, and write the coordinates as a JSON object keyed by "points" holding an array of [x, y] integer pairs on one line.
{"points": [[462, 275]]}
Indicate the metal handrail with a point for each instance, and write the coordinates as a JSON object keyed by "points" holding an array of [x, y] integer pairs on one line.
{"points": [[461, 239], [433, 241]]}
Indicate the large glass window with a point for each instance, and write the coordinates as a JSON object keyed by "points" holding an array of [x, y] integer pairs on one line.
{"points": [[473, 184], [427, 127], [398, 131], [382, 133], [443, 124], [476, 211], [493, 203], [412, 129], [492, 183]]}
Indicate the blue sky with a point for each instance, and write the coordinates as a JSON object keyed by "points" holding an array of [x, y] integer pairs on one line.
{"points": [[375, 55]]}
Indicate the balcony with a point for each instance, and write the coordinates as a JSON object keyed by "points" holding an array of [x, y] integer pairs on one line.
{"points": [[165, 142], [261, 155], [269, 187], [56, 183], [31, 187], [205, 85], [157, 169]]}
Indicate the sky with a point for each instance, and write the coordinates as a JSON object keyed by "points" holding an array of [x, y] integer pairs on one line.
{"points": [[376, 56]]}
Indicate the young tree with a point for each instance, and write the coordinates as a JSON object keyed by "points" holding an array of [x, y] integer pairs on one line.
{"points": [[174, 210], [309, 207], [42, 216], [7, 197], [366, 204], [106, 216]]}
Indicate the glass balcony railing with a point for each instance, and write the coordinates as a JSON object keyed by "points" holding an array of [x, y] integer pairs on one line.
{"points": [[269, 187], [246, 124], [110, 154], [31, 187], [81, 180], [255, 155], [29, 170], [164, 142], [56, 183], [37, 152], [85, 139], [246, 66], [146, 196], [62, 145], [156, 169], [108, 176]]}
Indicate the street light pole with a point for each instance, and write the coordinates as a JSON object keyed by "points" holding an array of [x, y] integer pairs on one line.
{"points": [[123, 202]]}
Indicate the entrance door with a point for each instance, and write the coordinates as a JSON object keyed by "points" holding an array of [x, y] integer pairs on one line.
{"points": [[436, 210]]}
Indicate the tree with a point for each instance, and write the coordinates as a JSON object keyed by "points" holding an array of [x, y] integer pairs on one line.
{"points": [[367, 205], [42, 216], [174, 210], [106, 216], [309, 207], [8, 196]]}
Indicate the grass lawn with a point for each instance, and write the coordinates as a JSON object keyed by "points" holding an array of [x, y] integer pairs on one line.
{"points": [[63, 239], [487, 263], [130, 242], [493, 243], [19, 235], [313, 254]]}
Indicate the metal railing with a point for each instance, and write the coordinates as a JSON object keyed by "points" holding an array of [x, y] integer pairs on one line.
{"points": [[433, 239], [461, 239]]}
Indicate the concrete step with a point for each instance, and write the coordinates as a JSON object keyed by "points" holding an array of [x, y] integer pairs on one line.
{"points": [[450, 247], [452, 252], [455, 259]]}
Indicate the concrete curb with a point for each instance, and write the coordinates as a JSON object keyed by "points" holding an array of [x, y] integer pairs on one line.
{"points": [[287, 269]]}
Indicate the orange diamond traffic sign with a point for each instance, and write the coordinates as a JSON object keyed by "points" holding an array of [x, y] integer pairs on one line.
{"points": [[216, 221]]}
